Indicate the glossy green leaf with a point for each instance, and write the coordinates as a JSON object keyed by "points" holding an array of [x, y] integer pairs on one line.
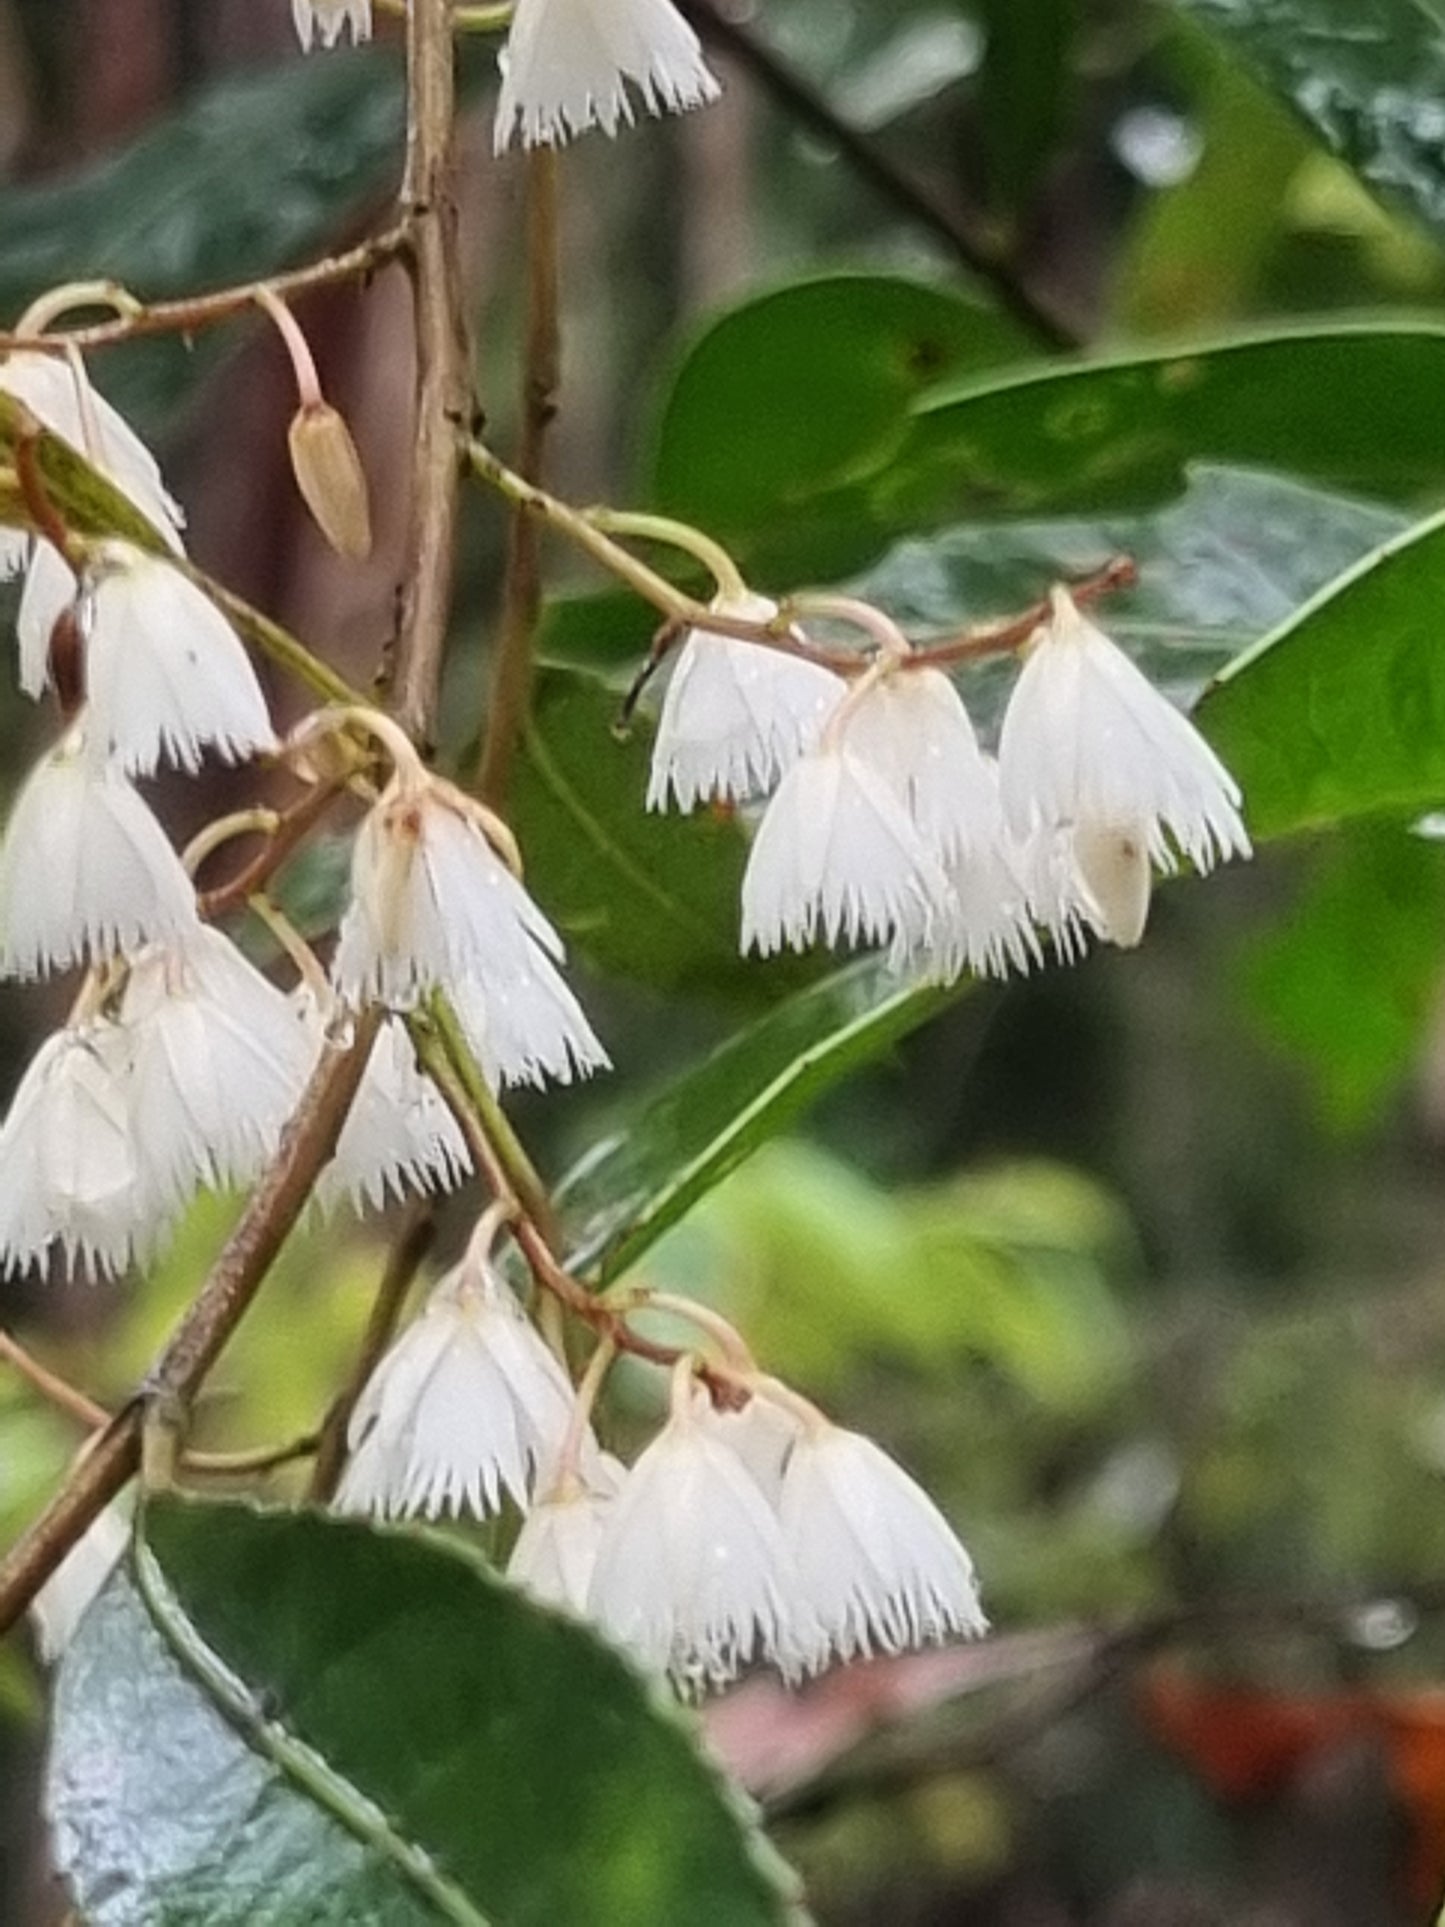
{"points": [[692, 1133], [645, 895], [255, 174], [1222, 566], [1024, 92], [279, 1717], [1368, 77], [1347, 982], [87, 503], [800, 394], [1337, 406], [1341, 711]]}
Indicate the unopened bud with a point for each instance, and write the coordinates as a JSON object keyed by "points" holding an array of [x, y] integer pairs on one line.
{"points": [[331, 479]]}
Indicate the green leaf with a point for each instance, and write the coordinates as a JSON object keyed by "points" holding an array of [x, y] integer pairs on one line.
{"points": [[1336, 406], [798, 395], [1346, 983], [621, 1198], [649, 896], [273, 1718], [1341, 711], [254, 175], [1368, 80], [87, 502], [1226, 563], [1024, 95]]}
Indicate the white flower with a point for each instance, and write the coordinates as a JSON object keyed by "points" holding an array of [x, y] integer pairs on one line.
{"points": [[166, 674], [736, 714], [434, 906], [466, 1405], [878, 1564], [567, 64], [761, 1434], [556, 1550], [58, 393], [220, 1061], [399, 1135], [525, 1026], [85, 869], [837, 852], [693, 1575], [71, 1590], [68, 1168], [323, 20], [912, 728], [1091, 750]]}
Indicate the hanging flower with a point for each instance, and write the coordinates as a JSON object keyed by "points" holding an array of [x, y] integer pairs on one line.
{"points": [[736, 715], [464, 1407], [57, 391], [433, 906], [85, 869], [878, 1565], [1092, 752], [399, 1135], [836, 852], [166, 675], [323, 21], [69, 1175], [912, 728], [693, 1574], [556, 1550], [568, 63], [220, 1062]]}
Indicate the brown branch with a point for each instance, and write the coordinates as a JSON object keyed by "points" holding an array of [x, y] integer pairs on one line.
{"points": [[408, 1253], [443, 397], [806, 104], [205, 1329], [295, 825], [522, 593], [197, 312]]}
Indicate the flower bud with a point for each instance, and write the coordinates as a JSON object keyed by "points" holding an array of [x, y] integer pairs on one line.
{"points": [[330, 477]]}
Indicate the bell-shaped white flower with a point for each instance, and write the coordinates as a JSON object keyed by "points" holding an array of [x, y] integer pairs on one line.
{"points": [[57, 391], [567, 66], [736, 714], [693, 1574], [913, 729], [556, 1551], [399, 1135], [323, 21], [837, 854], [69, 1172], [219, 1064], [878, 1565], [525, 1026], [71, 1590], [1090, 750], [434, 907], [85, 869], [466, 1405], [166, 674], [761, 1434]]}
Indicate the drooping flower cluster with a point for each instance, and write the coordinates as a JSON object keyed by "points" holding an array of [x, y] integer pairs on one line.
{"points": [[889, 824], [762, 1536], [568, 65], [182, 1061]]}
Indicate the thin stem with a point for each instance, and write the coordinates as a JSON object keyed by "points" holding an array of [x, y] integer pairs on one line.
{"points": [[206, 1327], [523, 1181], [294, 945], [489, 19], [56, 1390], [733, 1345], [678, 535], [46, 309], [1002, 638], [511, 685], [407, 1255], [862, 615], [303, 362], [412, 675], [293, 826], [278, 643], [569, 1458], [197, 312], [205, 843], [256, 1458]]}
